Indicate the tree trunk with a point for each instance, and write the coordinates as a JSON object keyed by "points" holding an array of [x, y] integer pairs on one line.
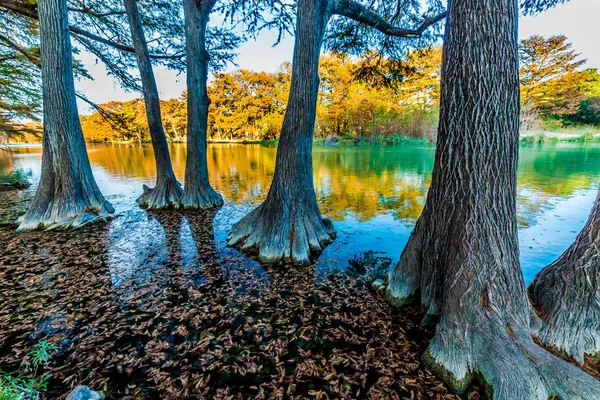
{"points": [[167, 191], [67, 195], [566, 294], [288, 226], [462, 259], [197, 192]]}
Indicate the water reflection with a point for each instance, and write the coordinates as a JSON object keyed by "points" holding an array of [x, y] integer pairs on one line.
{"points": [[143, 244], [136, 248], [374, 194]]}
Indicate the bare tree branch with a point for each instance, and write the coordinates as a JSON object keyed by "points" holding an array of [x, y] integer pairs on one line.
{"points": [[360, 13], [23, 51], [95, 14]]}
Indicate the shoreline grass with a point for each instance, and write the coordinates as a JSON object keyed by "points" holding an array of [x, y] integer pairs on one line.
{"points": [[377, 140], [559, 137], [535, 137]]}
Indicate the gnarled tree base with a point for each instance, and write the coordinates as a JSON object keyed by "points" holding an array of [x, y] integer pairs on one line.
{"points": [[292, 235], [566, 294], [404, 280], [414, 278], [475, 341], [508, 364], [166, 194], [200, 197], [59, 214], [567, 300]]}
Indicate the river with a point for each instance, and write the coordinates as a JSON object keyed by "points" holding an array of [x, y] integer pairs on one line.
{"points": [[373, 194]]}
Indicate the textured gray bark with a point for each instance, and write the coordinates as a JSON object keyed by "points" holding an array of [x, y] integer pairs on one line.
{"points": [[566, 294], [167, 190], [462, 260], [67, 195], [197, 192], [288, 224]]}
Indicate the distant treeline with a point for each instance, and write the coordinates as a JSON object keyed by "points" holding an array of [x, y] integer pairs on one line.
{"points": [[30, 132], [362, 98]]}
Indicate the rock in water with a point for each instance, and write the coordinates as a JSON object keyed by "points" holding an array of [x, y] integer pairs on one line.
{"points": [[378, 285], [19, 184], [85, 393]]}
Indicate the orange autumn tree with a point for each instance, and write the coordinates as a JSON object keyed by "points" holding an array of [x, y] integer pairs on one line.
{"points": [[550, 81], [364, 97]]}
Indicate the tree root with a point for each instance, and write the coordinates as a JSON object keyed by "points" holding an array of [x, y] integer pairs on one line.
{"points": [[18, 185], [289, 238], [575, 339], [166, 194], [200, 197], [404, 278], [566, 294], [409, 282], [569, 309], [508, 364], [60, 216], [483, 338]]}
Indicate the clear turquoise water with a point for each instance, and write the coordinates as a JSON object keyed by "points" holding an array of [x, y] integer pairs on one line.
{"points": [[373, 194]]}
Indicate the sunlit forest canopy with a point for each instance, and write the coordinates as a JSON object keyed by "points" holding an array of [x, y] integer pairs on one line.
{"points": [[371, 85], [366, 97], [247, 105]]}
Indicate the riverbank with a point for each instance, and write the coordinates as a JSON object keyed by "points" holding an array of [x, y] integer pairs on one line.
{"points": [[209, 324], [165, 323], [13, 181], [14, 196], [526, 137], [367, 141], [266, 142], [573, 135]]}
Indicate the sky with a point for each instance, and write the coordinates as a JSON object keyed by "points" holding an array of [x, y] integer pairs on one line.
{"points": [[577, 19]]}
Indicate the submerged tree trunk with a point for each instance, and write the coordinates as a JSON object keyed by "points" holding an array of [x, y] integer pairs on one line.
{"points": [[566, 294], [67, 195], [462, 260], [167, 191], [288, 225], [197, 192]]}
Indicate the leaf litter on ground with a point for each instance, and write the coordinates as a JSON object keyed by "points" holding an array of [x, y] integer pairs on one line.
{"points": [[148, 306]]}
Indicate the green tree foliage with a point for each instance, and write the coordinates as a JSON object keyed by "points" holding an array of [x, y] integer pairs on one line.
{"points": [[20, 95], [100, 28], [362, 27], [532, 7]]}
